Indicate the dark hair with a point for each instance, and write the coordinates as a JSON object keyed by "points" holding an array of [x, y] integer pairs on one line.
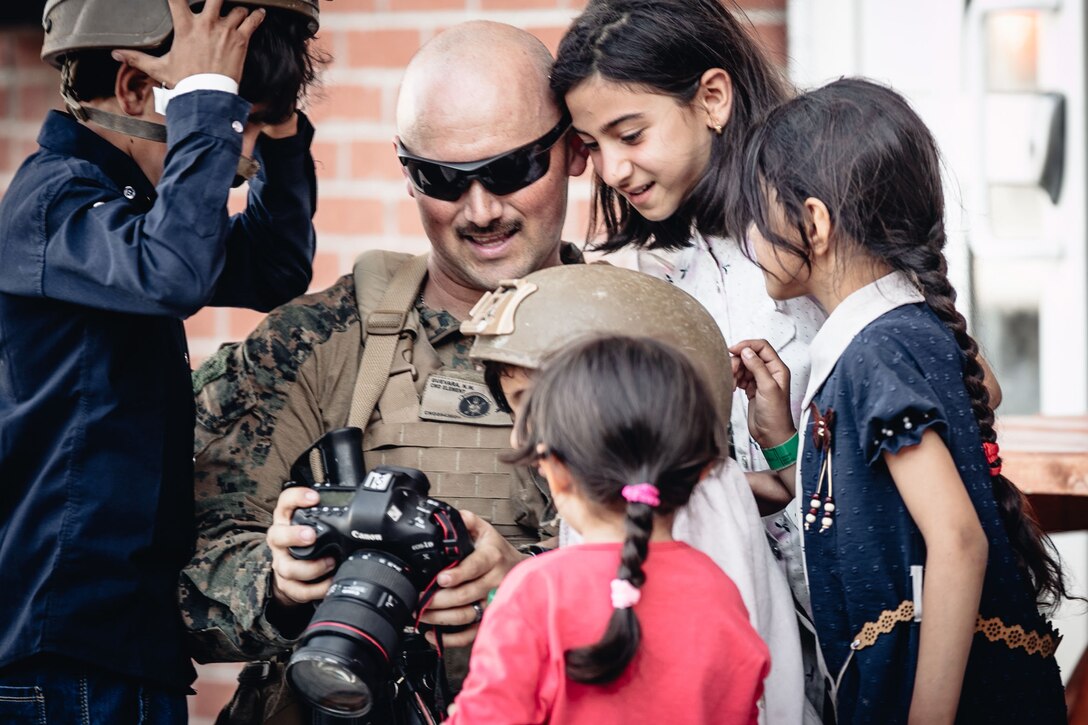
{"points": [[280, 67], [95, 74], [862, 150], [619, 411], [665, 46]]}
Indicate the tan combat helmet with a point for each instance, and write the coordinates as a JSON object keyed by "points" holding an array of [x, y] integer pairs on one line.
{"points": [[75, 25], [525, 320]]}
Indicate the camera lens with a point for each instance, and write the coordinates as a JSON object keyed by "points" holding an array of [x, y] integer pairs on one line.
{"points": [[336, 685], [353, 635]]}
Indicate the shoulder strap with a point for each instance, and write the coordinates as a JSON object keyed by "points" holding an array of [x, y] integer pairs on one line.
{"points": [[381, 332], [373, 271]]}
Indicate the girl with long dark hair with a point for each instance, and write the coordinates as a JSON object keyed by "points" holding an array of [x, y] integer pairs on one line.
{"points": [[926, 568], [662, 94]]}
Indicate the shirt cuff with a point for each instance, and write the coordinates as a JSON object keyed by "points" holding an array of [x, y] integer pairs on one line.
{"points": [[196, 82]]}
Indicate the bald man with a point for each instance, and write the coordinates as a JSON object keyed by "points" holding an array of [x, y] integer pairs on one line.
{"points": [[486, 153]]}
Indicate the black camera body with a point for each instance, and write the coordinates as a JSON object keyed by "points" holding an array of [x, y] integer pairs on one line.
{"points": [[392, 540], [392, 512]]}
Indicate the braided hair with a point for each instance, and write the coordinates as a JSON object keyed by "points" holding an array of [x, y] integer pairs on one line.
{"points": [[665, 46], [861, 149], [618, 411]]}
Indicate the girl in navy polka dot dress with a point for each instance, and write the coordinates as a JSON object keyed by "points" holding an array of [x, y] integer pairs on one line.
{"points": [[926, 569]]}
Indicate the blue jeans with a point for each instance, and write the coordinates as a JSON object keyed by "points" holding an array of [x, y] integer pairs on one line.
{"points": [[56, 691]]}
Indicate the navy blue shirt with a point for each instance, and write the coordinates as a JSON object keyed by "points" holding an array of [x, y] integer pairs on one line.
{"points": [[98, 269], [901, 375]]}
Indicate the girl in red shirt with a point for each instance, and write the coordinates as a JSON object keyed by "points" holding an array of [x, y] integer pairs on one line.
{"points": [[629, 626]]}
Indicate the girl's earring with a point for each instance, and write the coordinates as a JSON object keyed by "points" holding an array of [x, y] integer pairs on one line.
{"points": [[711, 122]]}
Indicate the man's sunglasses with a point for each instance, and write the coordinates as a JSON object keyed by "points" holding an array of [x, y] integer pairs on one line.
{"points": [[503, 174]]}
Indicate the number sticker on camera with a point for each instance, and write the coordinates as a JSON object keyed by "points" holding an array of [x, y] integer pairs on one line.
{"points": [[378, 481]]}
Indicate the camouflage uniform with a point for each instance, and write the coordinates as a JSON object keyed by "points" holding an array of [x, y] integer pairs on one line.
{"points": [[260, 403]]}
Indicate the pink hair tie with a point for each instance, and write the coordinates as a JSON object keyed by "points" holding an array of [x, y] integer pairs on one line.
{"points": [[624, 594], [993, 457], [642, 493]]}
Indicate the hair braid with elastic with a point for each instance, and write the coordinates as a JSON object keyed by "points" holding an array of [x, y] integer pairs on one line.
{"points": [[606, 659], [1032, 548]]}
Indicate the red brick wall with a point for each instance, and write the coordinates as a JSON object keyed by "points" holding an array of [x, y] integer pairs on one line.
{"points": [[362, 201]]}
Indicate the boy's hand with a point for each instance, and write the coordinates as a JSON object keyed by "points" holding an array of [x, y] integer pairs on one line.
{"points": [[203, 43]]}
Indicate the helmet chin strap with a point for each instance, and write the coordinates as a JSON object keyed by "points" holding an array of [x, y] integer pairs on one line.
{"points": [[137, 127]]}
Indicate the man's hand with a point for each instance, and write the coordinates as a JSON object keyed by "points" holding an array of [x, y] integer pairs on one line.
{"points": [[295, 581], [204, 42], [470, 582]]}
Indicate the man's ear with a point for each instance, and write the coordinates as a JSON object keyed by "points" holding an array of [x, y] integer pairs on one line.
{"points": [[577, 155], [132, 88], [818, 226]]}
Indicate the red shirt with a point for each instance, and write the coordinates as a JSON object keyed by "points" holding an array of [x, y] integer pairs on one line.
{"points": [[699, 660]]}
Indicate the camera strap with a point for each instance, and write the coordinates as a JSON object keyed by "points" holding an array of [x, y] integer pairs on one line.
{"points": [[442, 695]]}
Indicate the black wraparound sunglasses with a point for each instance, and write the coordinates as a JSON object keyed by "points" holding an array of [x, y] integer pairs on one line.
{"points": [[503, 174]]}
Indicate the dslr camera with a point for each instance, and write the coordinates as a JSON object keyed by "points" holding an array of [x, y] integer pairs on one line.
{"points": [[392, 540]]}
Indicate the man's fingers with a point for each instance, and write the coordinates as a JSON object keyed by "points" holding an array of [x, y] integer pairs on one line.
{"points": [[287, 568], [283, 536], [293, 498], [454, 617], [462, 596], [455, 639], [302, 592], [477, 564], [473, 523]]}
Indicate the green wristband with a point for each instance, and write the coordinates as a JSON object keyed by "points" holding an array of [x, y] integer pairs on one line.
{"points": [[782, 456]]}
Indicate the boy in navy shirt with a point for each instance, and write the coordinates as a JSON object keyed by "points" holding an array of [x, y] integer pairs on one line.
{"points": [[111, 234]]}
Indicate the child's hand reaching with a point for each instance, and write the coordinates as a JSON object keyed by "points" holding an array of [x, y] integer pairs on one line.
{"points": [[204, 42], [763, 376]]}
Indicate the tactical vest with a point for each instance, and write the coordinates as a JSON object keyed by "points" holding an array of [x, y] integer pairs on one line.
{"points": [[424, 415]]}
